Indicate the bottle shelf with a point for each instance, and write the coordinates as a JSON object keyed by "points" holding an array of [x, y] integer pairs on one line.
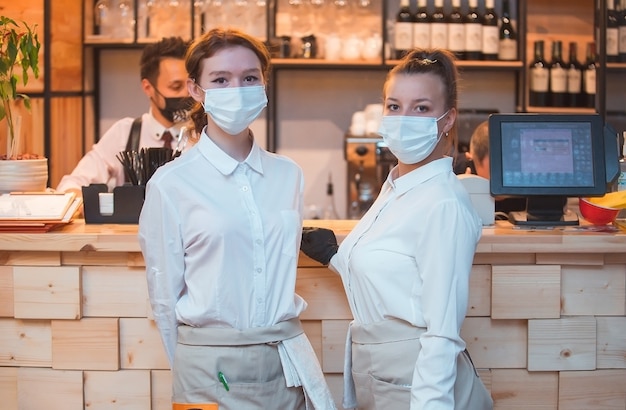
{"points": [[616, 66], [560, 110]]}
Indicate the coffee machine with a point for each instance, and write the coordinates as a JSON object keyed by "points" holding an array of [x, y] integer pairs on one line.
{"points": [[369, 162]]}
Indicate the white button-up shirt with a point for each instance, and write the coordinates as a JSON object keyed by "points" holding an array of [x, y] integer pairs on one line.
{"points": [[221, 240], [410, 258], [100, 165]]}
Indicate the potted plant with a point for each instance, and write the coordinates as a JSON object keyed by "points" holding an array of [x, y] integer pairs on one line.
{"points": [[19, 54]]}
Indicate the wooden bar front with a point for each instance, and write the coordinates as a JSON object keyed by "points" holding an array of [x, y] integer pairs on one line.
{"points": [[546, 323]]}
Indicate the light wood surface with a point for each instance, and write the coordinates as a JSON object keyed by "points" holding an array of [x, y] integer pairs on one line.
{"points": [[546, 319]]}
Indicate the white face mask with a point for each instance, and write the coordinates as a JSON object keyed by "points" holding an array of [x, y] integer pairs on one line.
{"points": [[411, 139], [234, 108]]}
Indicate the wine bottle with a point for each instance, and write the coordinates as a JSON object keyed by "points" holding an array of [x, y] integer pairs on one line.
{"points": [[421, 27], [507, 48], [403, 29], [621, 30], [539, 77], [439, 27], [589, 76], [612, 33], [574, 77], [456, 30], [473, 32], [558, 76], [490, 32]]}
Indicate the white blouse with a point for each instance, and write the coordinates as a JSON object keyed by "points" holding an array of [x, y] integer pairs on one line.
{"points": [[410, 258], [221, 240]]}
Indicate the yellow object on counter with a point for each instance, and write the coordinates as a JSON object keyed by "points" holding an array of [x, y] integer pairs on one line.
{"points": [[616, 200]]}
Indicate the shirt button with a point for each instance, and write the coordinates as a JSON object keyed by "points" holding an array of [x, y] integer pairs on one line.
{"points": [[244, 189], [259, 270], [259, 301], [258, 241]]}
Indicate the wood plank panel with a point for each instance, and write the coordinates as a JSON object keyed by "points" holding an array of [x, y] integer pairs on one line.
{"points": [[161, 390], [335, 385], [593, 290], [140, 345], [8, 387], [323, 291], [6, 291], [89, 343], [562, 344], [47, 292], [334, 341], [611, 343], [586, 259], [32, 258], [125, 389], [50, 389], [480, 291], [520, 389], [504, 259], [30, 11], [112, 291], [313, 331], [26, 343], [66, 135], [32, 141], [89, 126], [496, 344], [90, 258], [600, 389], [525, 292], [66, 45]]}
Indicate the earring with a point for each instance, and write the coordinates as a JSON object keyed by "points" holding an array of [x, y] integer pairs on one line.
{"points": [[447, 134]]}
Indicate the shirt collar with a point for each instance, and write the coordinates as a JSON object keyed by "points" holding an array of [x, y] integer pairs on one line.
{"points": [[224, 162], [419, 175], [156, 129]]}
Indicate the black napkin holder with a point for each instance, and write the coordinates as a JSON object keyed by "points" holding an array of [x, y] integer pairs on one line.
{"points": [[127, 203]]}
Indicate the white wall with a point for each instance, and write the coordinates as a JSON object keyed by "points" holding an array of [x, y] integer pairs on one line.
{"points": [[314, 109]]}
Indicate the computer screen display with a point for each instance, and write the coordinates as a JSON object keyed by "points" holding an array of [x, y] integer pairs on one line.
{"points": [[535, 154], [546, 158]]}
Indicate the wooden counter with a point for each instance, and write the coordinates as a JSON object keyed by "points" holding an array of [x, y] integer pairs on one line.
{"points": [[546, 324]]}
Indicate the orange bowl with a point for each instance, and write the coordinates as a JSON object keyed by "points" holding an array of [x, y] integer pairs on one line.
{"points": [[596, 214]]}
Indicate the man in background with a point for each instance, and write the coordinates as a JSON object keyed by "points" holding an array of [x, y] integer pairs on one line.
{"points": [[163, 80], [478, 154]]}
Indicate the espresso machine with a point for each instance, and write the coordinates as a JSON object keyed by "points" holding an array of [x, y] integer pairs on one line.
{"points": [[369, 162]]}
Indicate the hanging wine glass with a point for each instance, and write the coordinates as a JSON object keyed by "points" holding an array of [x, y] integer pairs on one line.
{"points": [[363, 3], [126, 26], [101, 13], [340, 3], [317, 3]]}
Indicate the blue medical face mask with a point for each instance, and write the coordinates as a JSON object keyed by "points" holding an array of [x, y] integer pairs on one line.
{"points": [[234, 108], [411, 139]]}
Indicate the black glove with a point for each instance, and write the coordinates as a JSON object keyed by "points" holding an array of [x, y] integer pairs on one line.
{"points": [[319, 244]]}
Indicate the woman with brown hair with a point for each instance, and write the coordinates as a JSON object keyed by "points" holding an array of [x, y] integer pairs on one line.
{"points": [[220, 232]]}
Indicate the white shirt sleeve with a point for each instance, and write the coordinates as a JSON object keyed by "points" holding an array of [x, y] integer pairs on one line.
{"points": [[444, 298], [161, 244]]}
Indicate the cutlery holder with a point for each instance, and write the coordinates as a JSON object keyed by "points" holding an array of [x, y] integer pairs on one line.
{"points": [[127, 204]]}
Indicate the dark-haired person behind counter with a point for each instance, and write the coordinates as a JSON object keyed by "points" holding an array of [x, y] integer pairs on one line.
{"points": [[479, 155]]}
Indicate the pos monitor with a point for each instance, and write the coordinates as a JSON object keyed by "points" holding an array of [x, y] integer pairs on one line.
{"points": [[546, 158]]}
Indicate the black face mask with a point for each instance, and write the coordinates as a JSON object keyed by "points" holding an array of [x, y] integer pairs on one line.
{"points": [[176, 108]]}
